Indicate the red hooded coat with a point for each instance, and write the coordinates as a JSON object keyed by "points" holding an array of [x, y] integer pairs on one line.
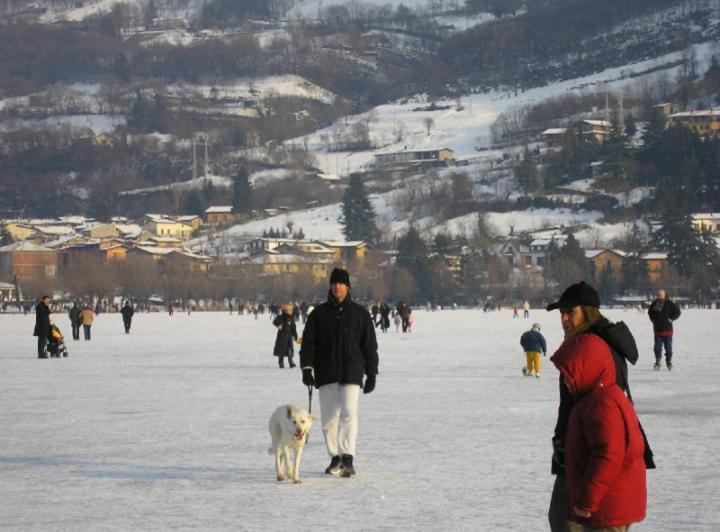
{"points": [[605, 469]]}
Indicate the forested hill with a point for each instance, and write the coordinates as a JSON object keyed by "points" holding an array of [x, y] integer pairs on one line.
{"points": [[255, 73]]}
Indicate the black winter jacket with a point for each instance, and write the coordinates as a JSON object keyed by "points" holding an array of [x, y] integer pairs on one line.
{"points": [[42, 320], [285, 335], [624, 349], [662, 314], [339, 343]]}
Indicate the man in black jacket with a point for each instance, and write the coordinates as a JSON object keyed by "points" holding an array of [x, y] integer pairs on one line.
{"points": [[663, 312], [338, 349], [127, 314], [42, 325]]}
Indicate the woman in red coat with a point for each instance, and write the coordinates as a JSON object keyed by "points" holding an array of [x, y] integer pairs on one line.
{"points": [[604, 447]]}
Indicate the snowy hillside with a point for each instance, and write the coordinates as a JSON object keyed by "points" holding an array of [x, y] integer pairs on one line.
{"points": [[463, 124], [166, 428]]}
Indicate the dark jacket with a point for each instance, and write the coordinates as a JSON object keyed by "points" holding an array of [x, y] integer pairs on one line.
{"points": [[604, 457], [127, 313], [74, 315], [533, 341], [285, 335], [623, 349], [42, 320], [339, 343], [662, 314]]}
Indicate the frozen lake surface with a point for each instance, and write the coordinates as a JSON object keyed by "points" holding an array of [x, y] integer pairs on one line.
{"points": [[166, 428]]}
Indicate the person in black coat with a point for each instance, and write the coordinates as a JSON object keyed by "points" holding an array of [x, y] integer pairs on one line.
{"points": [[663, 312], [339, 348], [579, 307], [75, 320], [42, 325], [287, 332], [384, 320], [127, 314]]}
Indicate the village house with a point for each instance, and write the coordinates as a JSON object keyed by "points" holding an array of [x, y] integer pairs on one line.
{"points": [[553, 137], [602, 260], [709, 221], [598, 130], [290, 260], [101, 230], [346, 252], [28, 261], [705, 123], [219, 214], [166, 227], [416, 158], [656, 265]]}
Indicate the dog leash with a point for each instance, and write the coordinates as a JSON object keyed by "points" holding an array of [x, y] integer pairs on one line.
{"points": [[310, 391]]}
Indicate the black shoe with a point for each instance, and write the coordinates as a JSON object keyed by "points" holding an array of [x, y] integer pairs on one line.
{"points": [[669, 366], [347, 466], [292, 365], [656, 366], [335, 467]]}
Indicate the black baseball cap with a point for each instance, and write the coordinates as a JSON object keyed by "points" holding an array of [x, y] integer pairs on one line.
{"points": [[577, 294]]}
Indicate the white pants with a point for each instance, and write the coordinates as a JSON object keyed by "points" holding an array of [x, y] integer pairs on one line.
{"points": [[338, 413]]}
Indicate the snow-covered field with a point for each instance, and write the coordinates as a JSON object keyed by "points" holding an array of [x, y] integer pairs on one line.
{"points": [[167, 428]]}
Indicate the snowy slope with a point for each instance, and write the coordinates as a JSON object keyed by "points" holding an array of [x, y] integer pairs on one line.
{"points": [[166, 428], [466, 130]]}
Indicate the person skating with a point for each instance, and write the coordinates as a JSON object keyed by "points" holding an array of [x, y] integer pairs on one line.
{"points": [[533, 343], [127, 314], [42, 325], [287, 332], [75, 320], [526, 309], [339, 348], [579, 307], [663, 312], [604, 445]]}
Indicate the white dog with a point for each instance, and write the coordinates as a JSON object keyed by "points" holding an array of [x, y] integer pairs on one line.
{"points": [[289, 426]]}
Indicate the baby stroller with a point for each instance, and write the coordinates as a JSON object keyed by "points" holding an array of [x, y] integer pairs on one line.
{"points": [[56, 343]]}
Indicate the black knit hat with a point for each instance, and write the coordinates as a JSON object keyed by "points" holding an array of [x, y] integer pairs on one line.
{"points": [[577, 294], [339, 275]]}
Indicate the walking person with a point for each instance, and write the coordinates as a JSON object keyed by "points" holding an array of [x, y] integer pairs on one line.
{"points": [[75, 320], [287, 332], [88, 316], [127, 314], [384, 320], [42, 325], [339, 348], [604, 446], [663, 312], [533, 343], [580, 315]]}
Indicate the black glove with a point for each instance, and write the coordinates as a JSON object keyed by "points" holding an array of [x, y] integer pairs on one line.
{"points": [[308, 379], [369, 384]]}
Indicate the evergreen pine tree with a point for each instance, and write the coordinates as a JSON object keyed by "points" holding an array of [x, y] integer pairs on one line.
{"points": [[242, 191], [688, 250], [358, 215], [413, 255], [192, 204]]}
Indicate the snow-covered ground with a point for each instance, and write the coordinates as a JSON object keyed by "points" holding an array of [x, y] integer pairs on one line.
{"points": [[166, 428]]}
